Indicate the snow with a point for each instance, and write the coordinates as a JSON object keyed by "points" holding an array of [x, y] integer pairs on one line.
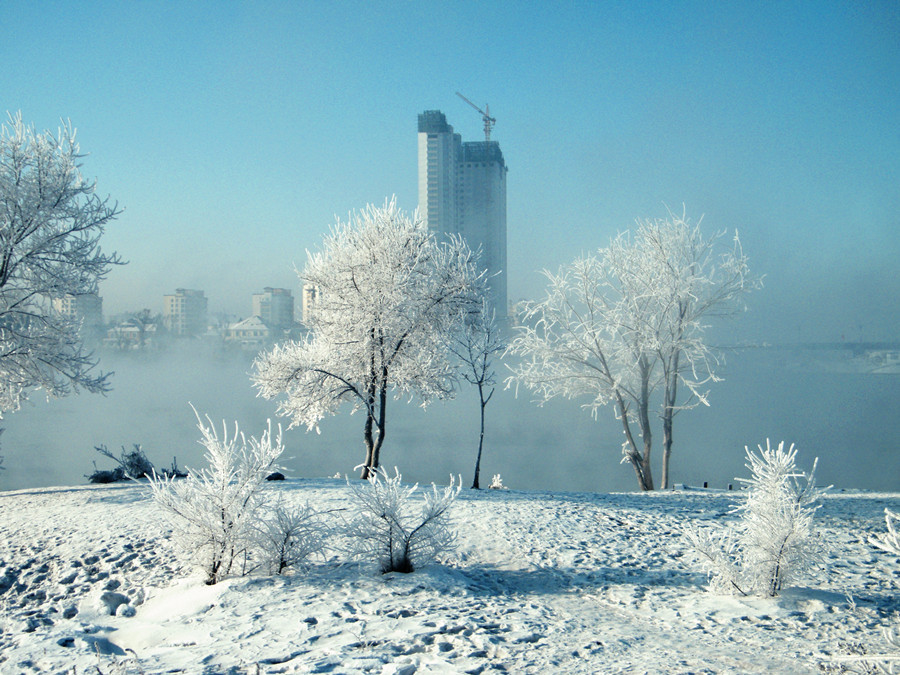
{"points": [[541, 583]]}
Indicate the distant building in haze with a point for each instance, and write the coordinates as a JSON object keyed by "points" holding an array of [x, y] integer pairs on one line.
{"points": [[87, 309], [275, 306], [184, 312], [251, 334], [308, 301], [462, 190]]}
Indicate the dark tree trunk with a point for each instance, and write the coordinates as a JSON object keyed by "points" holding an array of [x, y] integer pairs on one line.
{"points": [[641, 468], [370, 446], [374, 439], [369, 429], [647, 436], [644, 423], [667, 445], [373, 444], [671, 393], [475, 485], [382, 418]]}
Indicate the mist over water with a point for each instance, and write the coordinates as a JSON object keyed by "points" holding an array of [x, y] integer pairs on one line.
{"points": [[850, 420]]}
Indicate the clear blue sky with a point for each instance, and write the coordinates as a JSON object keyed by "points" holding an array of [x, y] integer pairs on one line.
{"points": [[233, 133]]}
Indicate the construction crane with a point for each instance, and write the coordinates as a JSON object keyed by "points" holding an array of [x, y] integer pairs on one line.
{"points": [[489, 121]]}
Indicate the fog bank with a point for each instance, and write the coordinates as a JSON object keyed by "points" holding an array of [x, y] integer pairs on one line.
{"points": [[850, 420]]}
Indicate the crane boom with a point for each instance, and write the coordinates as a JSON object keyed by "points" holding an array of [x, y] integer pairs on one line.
{"points": [[489, 121]]}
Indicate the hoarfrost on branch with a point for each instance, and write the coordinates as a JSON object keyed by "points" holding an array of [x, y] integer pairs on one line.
{"points": [[388, 296], [51, 221], [215, 511], [476, 344], [627, 324], [774, 542]]}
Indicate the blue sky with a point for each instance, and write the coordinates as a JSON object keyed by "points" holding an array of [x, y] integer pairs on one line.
{"points": [[234, 133]]}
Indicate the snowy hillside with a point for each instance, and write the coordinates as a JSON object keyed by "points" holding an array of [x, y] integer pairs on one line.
{"points": [[541, 583]]}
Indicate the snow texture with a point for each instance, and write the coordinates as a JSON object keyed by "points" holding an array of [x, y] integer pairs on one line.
{"points": [[542, 583]]}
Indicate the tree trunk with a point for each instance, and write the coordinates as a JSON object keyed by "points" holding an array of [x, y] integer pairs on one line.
{"points": [[641, 469], [671, 393], [382, 418], [370, 446], [667, 446], [368, 434], [475, 485], [647, 436], [644, 423]]}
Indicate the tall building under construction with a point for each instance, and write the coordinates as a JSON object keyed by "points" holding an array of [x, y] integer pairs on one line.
{"points": [[462, 190]]}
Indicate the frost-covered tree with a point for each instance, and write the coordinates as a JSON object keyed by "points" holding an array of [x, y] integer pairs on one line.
{"points": [[389, 295], [51, 221], [386, 526], [145, 321], [574, 343], [476, 344], [774, 542], [626, 325], [214, 511], [690, 281]]}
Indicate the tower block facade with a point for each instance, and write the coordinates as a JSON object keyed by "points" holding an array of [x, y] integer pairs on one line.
{"points": [[462, 190]]}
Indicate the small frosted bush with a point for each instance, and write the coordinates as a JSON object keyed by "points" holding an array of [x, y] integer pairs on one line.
{"points": [[133, 464], [213, 511], [286, 538], [497, 483], [774, 542], [387, 527], [890, 540]]}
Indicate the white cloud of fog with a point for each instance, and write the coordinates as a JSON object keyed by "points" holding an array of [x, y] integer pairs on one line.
{"points": [[850, 421]]}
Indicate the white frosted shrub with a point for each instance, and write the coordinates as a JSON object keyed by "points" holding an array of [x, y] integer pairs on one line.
{"points": [[388, 527], [213, 511], [773, 543], [285, 538], [778, 541], [718, 553], [890, 540], [497, 483]]}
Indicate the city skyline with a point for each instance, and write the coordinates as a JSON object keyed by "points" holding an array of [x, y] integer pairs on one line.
{"points": [[234, 135]]}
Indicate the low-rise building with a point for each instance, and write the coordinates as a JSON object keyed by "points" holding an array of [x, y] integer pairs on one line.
{"points": [[250, 334]]}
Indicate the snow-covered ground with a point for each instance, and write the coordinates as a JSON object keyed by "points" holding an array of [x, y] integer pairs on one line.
{"points": [[541, 583]]}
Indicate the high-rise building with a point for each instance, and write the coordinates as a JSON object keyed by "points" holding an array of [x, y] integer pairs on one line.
{"points": [[275, 306], [462, 190], [184, 312]]}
